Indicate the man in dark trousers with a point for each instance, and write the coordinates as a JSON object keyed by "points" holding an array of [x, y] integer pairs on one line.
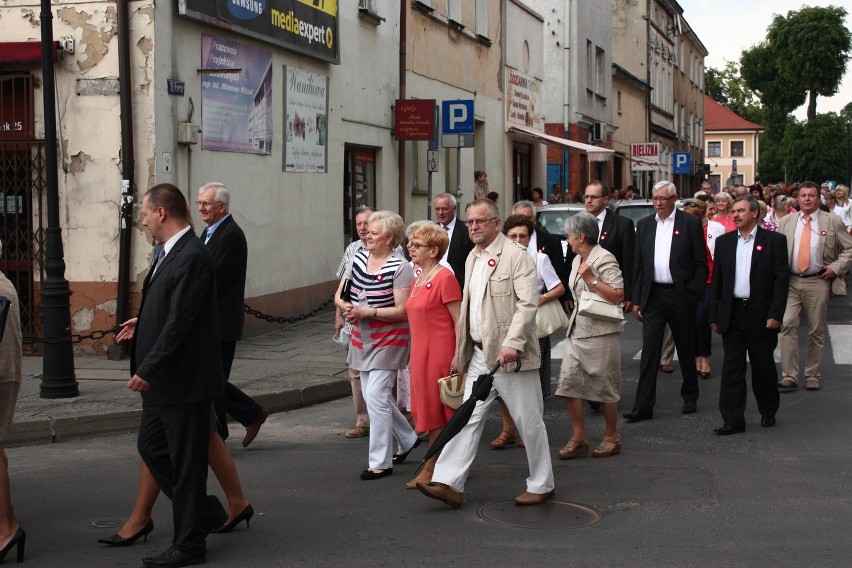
{"points": [[176, 368], [460, 243], [748, 297], [669, 273], [227, 243]]}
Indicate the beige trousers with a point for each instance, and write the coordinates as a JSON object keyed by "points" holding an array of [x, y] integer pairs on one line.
{"points": [[811, 296]]}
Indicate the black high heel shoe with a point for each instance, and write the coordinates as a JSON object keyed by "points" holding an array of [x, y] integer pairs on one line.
{"points": [[19, 540], [116, 540], [245, 515]]}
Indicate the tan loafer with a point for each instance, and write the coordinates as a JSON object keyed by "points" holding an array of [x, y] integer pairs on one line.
{"points": [[358, 432], [527, 498], [812, 384], [442, 492], [787, 383]]}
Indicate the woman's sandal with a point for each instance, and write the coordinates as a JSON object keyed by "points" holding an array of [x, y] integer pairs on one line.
{"points": [[569, 452], [608, 448], [503, 440]]}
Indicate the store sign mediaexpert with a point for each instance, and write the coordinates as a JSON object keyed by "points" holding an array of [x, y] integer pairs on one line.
{"points": [[293, 24]]}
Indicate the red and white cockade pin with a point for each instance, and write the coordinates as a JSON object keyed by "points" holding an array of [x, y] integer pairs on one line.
{"points": [[603, 236], [759, 248], [417, 272], [492, 263], [823, 233], [379, 277], [677, 232], [428, 285]]}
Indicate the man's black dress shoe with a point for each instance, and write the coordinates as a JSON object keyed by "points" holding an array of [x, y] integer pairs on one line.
{"points": [[368, 474], [116, 540], [689, 408], [214, 514], [638, 416], [174, 557], [767, 422], [399, 458], [728, 429]]}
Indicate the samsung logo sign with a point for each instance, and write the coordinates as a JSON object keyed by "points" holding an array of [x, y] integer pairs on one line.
{"points": [[246, 9]]}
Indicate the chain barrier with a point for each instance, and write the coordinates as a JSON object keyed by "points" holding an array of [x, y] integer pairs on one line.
{"points": [[75, 338], [292, 319], [101, 333]]}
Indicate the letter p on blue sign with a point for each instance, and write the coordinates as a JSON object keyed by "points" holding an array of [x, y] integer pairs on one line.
{"points": [[457, 117], [681, 162]]}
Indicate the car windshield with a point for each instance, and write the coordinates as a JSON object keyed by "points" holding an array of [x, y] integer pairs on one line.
{"points": [[554, 220], [635, 213]]}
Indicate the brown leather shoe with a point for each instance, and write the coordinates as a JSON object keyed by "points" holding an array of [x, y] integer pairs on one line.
{"points": [[253, 428], [442, 492], [787, 383], [358, 432], [812, 384], [667, 368], [527, 498]]}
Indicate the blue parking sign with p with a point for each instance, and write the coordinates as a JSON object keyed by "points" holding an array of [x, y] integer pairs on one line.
{"points": [[457, 117], [681, 162]]}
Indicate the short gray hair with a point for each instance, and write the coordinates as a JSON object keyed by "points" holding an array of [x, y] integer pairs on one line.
{"points": [[416, 225], [450, 196], [669, 187], [493, 210], [585, 224], [392, 224], [222, 192], [523, 203]]}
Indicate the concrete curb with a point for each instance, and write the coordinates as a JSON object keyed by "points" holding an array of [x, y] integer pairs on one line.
{"points": [[53, 430]]}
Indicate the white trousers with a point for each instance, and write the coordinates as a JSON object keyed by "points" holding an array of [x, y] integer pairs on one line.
{"points": [[522, 394], [386, 421]]}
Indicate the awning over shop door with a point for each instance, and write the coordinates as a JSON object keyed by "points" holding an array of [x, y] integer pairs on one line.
{"points": [[594, 153], [24, 51]]}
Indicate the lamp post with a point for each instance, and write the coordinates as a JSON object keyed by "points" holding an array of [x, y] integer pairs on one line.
{"points": [[57, 379]]}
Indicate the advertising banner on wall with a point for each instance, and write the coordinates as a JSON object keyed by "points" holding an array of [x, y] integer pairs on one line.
{"points": [[305, 26], [305, 121], [522, 98], [236, 104]]}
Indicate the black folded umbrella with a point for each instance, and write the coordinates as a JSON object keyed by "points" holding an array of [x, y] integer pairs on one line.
{"points": [[479, 392]]}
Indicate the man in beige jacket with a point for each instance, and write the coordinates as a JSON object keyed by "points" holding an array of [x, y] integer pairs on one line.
{"points": [[497, 325], [820, 253]]}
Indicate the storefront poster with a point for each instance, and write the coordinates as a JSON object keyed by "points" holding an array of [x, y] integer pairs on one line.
{"points": [[522, 98], [305, 121], [304, 26], [236, 106]]}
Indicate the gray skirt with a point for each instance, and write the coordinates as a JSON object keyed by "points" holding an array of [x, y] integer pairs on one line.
{"points": [[591, 368]]}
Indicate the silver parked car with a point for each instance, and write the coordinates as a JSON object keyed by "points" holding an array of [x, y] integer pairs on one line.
{"points": [[553, 218], [635, 209]]}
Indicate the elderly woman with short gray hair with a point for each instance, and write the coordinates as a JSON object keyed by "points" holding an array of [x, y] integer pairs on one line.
{"points": [[591, 364], [724, 203]]}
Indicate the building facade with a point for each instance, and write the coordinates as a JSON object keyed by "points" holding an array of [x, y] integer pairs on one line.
{"points": [[732, 146]]}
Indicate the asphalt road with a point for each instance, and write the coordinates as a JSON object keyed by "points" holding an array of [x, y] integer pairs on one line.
{"points": [[677, 496]]}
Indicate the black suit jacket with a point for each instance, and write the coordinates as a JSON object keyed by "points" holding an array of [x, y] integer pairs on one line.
{"points": [[687, 258], [619, 237], [460, 247], [768, 279], [230, 256], [176, 343]]}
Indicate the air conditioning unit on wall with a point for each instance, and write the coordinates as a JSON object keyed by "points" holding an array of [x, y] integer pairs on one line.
{"points": [[599, 132]]}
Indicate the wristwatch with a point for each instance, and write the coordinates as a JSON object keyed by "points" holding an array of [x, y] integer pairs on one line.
{"points": [[594, 282]]}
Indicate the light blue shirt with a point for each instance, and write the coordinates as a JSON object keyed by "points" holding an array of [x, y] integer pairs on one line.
{"points": [[212, 228], [745, 247]]}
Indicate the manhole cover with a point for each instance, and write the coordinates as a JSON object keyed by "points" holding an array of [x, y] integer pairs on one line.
{"points": [[107, 523], [551, 515]]}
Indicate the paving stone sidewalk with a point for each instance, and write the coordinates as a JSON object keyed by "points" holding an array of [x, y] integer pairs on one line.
{"points": [[294, 366]]}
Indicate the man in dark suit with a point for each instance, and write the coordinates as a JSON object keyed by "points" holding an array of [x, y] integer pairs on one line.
{"points": [[460, 243], [227, 243], [669, 272], [748, 297], [617, 234], [176, 368]]}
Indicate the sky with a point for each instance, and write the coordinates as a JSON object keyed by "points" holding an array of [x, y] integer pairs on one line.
{"points": [[727, 27]]}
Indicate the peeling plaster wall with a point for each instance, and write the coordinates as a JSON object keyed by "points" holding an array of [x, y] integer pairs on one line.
{"points": [[90, 138]]}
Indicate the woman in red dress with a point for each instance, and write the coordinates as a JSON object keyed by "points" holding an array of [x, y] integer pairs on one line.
{"points": [[433, 310]]}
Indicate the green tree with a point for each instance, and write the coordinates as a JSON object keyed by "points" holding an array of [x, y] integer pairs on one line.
{"points": [[811, 48], [760, 71], [727, 87], [813, 150]]}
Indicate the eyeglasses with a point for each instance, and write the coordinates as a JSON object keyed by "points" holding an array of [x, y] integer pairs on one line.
{"points": [[661, 199], [479, 222], [587, 197], [206, 204], [416, 245]]}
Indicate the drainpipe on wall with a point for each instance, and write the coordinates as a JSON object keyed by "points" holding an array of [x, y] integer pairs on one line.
{"points": [[122, 311], [403, 20]]}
